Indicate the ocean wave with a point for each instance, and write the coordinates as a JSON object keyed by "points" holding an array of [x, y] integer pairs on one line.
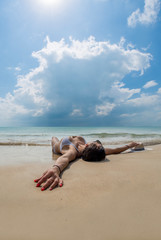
{"points": [[129, 135], [23, 144], [23, 135], [120, 143], [105, 142]]}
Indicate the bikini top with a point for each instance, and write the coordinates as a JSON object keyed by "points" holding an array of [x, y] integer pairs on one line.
{"points": [[66, 141]]}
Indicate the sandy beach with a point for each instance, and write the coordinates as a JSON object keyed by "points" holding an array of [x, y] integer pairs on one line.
{"points": [[117, 199]]}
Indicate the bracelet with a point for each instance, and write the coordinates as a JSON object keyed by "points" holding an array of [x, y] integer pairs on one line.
{"points": [[127, 146], [57, 167]]}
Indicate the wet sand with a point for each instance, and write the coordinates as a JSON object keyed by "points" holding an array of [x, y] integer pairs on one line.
{"points": [[117, 199]]}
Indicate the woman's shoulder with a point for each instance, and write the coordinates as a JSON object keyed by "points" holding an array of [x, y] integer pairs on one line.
{"points": [[82, 139]]}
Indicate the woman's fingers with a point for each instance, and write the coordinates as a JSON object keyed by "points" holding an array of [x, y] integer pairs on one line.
{"points": [[49, 179], [47, 183], [54, 184], [37, 179], [60, 182], [43, 179]]}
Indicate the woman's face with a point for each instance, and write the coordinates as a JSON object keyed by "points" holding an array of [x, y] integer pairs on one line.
{"points": [[97, 143]]}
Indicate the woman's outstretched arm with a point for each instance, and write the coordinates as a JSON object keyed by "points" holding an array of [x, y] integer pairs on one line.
{"points": [[51, 177], [110, 151]]}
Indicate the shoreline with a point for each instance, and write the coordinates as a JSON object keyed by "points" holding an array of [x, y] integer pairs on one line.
{"points": [[109, 136], [14, 155], [114, 144], [117, 199]]}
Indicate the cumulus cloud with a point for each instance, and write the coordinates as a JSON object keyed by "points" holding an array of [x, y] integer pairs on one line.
{"points": [[159, 91], [9, 107], [150, 84], [146, 108], [17, 69], [128, 115], [119, 93], [75, 75], [145, 100], [104, 109], [148, 16], [77, 113]]}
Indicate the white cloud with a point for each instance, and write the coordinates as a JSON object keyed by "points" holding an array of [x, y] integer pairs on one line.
{"points": [[128, 115], [150, 84], [145, 100], [144, 110], [149, 15], [119, 93], [27, 97], [104, 109], [8, 107], [159, 91], [18, 69], [76, 113], [86, 73]]}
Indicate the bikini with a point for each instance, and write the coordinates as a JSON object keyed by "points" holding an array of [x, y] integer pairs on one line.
{"points": [[66, 142]]}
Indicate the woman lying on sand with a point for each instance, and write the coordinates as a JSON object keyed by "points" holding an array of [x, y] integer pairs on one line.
{"points": [[71, 148]]}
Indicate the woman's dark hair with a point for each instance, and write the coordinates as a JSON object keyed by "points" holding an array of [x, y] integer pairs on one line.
{"points": [[93, 153]]}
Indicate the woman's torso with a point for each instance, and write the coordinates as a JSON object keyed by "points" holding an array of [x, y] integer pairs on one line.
{"points": [[71, 142]]}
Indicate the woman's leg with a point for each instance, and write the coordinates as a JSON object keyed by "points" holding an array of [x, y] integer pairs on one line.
{"points": [[53, 142]]}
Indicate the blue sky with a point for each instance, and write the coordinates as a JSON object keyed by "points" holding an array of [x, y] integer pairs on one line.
{"points": [[80, 63]]}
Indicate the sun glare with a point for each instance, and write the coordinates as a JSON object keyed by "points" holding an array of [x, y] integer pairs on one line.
{"points": [[44, 7], [49, 3]]}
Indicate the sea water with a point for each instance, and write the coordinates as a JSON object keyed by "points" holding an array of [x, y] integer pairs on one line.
{"points": [[109, 136], [32, 144]]}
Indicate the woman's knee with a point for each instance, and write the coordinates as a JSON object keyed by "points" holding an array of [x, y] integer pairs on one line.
{"points": [[54, 140]]}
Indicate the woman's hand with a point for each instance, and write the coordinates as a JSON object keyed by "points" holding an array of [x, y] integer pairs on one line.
{"points": [[50, 178], [132, 144]]}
